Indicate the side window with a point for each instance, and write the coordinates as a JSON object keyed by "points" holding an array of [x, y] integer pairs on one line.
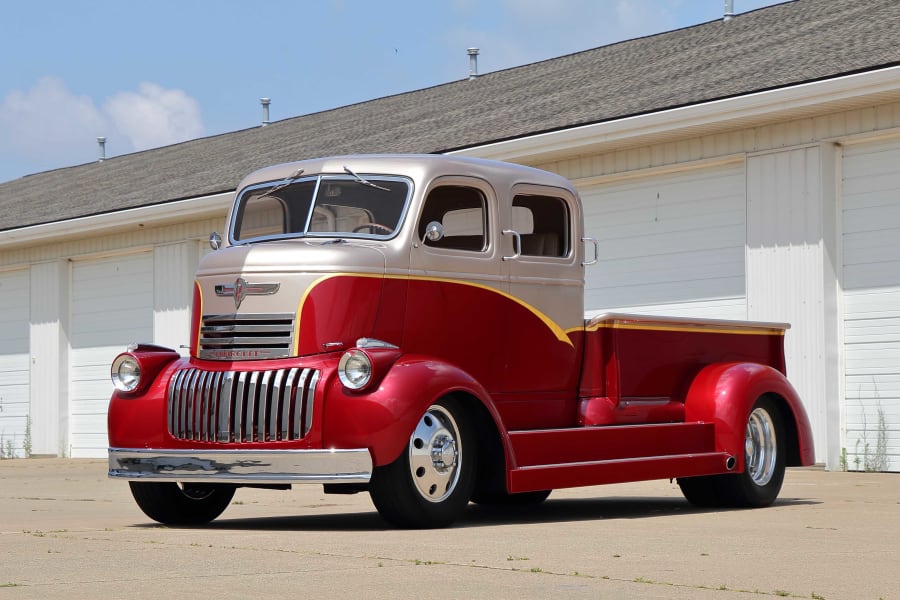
{"points": [[544, 224], [463, 213]]}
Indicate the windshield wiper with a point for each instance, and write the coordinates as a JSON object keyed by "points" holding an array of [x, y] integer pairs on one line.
{"points": [[365, 181], [282, 185]]}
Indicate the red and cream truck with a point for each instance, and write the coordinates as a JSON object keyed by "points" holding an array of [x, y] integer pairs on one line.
{"points": [[413, 326]]}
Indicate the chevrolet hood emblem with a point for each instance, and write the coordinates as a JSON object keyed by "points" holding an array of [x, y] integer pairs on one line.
{"points": [[241, 288]]}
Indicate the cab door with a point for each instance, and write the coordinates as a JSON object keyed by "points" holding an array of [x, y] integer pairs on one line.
{"points": [[457, 303], [543, 261]]}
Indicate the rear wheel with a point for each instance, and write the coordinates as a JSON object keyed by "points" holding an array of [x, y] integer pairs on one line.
{"points": [[182, 504], [431, 482], [764, 464]]}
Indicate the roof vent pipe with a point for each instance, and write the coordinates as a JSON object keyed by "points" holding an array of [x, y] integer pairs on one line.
{"points": [[265, 106], [101, 142], [473, 62], [729, 10]]}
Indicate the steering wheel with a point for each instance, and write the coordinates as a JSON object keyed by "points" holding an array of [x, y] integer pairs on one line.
{"points": [[373, 226]]}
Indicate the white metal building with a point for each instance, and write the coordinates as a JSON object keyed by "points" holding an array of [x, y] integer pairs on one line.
{"points": [[776, 201]]}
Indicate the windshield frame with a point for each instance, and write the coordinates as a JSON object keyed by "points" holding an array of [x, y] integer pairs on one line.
{"points": [[364, 179]]}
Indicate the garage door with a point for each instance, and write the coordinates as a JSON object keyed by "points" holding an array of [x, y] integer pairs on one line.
{"points": [[14, 361], [669, 244], [112, 306], [871, 306]]}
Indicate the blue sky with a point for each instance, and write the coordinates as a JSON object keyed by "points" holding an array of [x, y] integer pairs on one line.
{"points": [[148, 73]]}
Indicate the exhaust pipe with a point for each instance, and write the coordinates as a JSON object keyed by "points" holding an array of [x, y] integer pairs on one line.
{"points": [[730, 463]]}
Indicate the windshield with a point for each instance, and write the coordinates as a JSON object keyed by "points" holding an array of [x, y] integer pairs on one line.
{"points": [[322, 206]]}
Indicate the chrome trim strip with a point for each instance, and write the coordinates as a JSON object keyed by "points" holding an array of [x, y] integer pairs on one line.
{"points": [[214, 406], [223, 432], [309, 402], [290, 393], [205, 396], [284, 403], [249, 317], [271, 404], [242, 466], [251, 406], [243, 342], [237, 425]]}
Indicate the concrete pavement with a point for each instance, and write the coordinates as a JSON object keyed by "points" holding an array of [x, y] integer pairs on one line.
{"points": [[66, 531]]}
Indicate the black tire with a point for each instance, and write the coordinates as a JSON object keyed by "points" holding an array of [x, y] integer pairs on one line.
{"points": [[429, 485], [702, 492], [507, 499], [764, 463], [182, 504]]}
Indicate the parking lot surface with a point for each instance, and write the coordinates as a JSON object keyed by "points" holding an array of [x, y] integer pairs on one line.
{"points": [[66, 531]]}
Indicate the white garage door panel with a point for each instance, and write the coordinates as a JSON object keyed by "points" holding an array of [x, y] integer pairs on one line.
{"points": [[112, 306], [871, 305], [671, 244], [14, 360]]}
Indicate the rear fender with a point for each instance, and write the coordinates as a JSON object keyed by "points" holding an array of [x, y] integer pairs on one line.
{"points": [[724, 394], [383, 419]]}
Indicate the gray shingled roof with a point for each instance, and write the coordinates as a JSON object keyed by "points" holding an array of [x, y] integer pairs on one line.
{"points": [[779, 46]]}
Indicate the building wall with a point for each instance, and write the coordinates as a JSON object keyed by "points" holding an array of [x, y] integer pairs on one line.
{"points": [[759, 214], [79, 303], [791, 194], [870, 303]]}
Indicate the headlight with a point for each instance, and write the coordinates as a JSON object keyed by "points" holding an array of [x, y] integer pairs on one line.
{"points": [[355, 369], [125, 373]]}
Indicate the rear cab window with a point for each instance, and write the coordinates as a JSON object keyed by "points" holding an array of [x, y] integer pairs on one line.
{"points": [[544, 225]]}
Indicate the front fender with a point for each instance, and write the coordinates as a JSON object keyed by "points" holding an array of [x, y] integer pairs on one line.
{"points": [[139, 420], [383, 419], [724, 394]]}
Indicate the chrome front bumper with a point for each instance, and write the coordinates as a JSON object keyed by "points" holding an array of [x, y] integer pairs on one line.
{"points": [[242, 466]]}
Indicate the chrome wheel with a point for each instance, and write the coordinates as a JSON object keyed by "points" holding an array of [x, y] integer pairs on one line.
{"points": [[764, 461], [761, 447], [429, 485], [435, 453]]}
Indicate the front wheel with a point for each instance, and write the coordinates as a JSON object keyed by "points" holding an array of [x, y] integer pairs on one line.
{"points": [[181, 504], [431, 482], [764, 464]]}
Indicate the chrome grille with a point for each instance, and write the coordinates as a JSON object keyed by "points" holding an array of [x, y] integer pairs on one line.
{"points": [[246, 336], [242, 406]]}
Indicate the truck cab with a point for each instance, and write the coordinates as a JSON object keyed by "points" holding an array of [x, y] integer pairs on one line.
{"points": [[413, 326]]}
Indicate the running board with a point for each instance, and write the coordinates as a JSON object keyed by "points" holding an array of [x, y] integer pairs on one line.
{"points": [[550, 477], [558, 458]]}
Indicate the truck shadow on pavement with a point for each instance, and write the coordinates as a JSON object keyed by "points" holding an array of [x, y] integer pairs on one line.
{"points": [[551, 511]]}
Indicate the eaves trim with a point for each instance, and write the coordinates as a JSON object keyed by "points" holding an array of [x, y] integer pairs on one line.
{"points": [[180, 210]]}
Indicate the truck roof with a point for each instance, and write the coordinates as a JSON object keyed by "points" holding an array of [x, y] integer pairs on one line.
{"points": [[421, 167]]}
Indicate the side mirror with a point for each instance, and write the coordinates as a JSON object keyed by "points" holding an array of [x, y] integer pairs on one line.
{"points": [[215, 240], [434, 232]]}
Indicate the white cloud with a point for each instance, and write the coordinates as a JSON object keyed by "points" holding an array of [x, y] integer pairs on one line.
{"points": [[48, 119], [55, 127], [154, 116]]}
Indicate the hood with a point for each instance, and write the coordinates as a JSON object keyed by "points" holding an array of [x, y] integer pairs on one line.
{"points": [[282, 299]]}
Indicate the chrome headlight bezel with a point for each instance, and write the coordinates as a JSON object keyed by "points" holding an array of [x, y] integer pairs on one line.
{"points": [[125, 373], [355, 369]]}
